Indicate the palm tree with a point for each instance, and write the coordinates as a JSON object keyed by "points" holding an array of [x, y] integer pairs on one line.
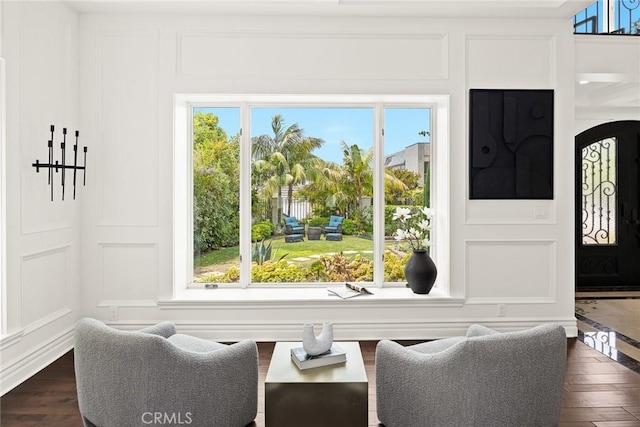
{"points": [[348, 184], [283, 159], [358, 178]]}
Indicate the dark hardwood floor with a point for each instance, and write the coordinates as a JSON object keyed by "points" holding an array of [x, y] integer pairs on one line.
{"points": [[598, 392]]}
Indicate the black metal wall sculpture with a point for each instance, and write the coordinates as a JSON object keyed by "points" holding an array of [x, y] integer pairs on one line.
{"points": [[57, 167], [511, 144]]}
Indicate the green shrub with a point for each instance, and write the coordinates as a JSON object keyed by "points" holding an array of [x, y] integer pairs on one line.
{"points": [[211, 278], [215, 211], [394, 266], [216, 187], [416, 196], [261, 230], [279, 271], [318, 221], [349, 227], [389, 225], [231, 276]]}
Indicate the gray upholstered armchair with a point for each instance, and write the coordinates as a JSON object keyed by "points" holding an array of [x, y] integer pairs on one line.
{"points": [[155, 376], [484, 379]]}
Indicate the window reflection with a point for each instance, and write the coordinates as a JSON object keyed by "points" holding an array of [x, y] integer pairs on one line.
{"points": [[604, 342]]}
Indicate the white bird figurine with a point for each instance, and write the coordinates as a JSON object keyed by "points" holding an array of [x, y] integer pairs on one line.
{"points": [[315, 345]]}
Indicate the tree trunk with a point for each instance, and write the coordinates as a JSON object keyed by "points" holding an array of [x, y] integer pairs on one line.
{"points": [[289, 199]]}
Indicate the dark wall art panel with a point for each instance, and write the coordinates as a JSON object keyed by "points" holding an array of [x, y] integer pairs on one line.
{"points": [[511, 144]]}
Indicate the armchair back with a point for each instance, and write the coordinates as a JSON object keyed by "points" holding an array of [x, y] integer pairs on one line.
{"points": [[122, 376], [486, 378]]}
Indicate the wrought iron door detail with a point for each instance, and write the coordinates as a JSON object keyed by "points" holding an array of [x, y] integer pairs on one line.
{"points": [[607, 201], [596, 265], [599, 193]]}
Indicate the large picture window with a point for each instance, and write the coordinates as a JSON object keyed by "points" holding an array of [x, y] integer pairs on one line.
{"points": [[303, 193]]}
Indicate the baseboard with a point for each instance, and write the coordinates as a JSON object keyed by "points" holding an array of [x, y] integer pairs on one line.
{"points": [[18, 370], [604, 289]]}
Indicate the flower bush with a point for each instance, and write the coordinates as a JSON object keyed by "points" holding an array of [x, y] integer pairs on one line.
{"points": [[341, 268], [414, 226], [231, 276]]}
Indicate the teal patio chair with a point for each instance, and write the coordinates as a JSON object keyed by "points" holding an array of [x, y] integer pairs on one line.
{"points": [[334, 228], [291, 226]]}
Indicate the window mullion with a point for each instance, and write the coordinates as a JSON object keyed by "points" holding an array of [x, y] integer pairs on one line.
{"points": [[245, 195], [378, 196]]}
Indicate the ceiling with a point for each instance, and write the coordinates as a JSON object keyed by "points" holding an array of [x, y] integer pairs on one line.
{"points": [[607, 94], [608, 90]]}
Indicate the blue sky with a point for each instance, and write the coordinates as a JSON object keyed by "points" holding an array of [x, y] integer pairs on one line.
{"points": [[351, 125]]}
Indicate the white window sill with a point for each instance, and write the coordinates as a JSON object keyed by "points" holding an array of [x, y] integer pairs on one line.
{"points": [[292, 297]]}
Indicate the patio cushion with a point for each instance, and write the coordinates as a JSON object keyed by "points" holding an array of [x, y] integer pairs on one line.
{"points": [[291, 220], [293, 238], [335, 221]]}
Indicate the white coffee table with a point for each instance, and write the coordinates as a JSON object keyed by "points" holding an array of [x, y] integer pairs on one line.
{"points": [[334, 395]]}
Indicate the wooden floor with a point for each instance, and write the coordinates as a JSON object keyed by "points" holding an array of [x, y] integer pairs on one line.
{"points": [[598, 392]]}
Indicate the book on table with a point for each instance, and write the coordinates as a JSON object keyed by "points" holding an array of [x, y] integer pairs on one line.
{"points": [[303, 361], [349, 291]]}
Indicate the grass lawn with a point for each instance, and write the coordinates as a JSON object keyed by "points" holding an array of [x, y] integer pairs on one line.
{"points": [[307, 247], [302, 249], [220, 256]]}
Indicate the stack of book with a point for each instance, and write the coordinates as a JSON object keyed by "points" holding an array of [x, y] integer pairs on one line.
{"points": [[304, 361]]}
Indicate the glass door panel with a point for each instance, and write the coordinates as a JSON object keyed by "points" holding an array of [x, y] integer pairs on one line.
{"points": [[599, 193]]}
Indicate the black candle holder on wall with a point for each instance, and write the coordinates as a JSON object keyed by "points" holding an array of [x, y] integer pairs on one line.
{"points": [[57, 167]]}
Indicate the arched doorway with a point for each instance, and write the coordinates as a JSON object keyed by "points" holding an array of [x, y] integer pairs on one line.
{"points": [[607, 207]]}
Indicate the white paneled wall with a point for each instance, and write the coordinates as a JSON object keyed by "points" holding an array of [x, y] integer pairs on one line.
{"points": [[45, 295], [523, 282], [40, 46], [129, 274], [127, 155], [359, 56], [513, 253], [501, 61]]}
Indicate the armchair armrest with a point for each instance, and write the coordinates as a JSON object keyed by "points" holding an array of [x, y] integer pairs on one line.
{"points": [[164, 329], [332, 229], [290, 229]]}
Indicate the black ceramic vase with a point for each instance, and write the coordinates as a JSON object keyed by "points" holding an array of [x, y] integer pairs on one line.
{"points": [[420, 272]]}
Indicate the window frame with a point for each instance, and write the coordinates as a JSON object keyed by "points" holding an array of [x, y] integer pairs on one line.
{"points": [[183, 177]]}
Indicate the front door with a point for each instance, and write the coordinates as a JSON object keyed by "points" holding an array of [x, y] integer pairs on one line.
{"points": [[607, 207]]}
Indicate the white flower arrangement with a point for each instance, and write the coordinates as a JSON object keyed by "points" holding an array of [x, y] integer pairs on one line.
{"points": [[416, 227]]}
